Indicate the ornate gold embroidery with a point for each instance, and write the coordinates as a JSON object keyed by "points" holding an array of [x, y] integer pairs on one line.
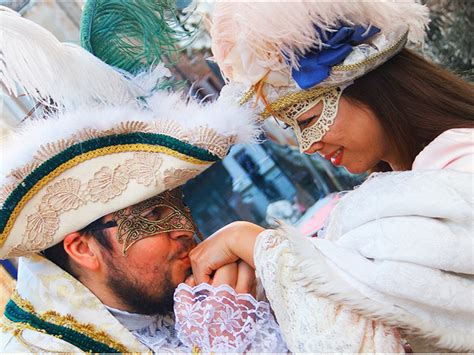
{"points": [[70, 322], [144, 167], [87, 156], [176, 177], [167, 127], [108, 184], [64, 195], [17, 251], [40, 228], [16, 329]]}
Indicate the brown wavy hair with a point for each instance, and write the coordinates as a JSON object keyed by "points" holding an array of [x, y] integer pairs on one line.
{"points": [[415, 101]]}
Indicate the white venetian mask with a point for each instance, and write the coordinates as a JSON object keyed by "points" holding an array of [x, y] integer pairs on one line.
{"points": [[315, 132]]}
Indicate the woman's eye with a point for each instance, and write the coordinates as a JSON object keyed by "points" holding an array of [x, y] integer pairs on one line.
{"points": [[307, 122]]}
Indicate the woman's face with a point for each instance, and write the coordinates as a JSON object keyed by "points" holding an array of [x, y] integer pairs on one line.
{"points": [[356, 140]]}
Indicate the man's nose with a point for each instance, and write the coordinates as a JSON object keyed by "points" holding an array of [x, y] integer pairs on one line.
{"points": [[181, 235]]}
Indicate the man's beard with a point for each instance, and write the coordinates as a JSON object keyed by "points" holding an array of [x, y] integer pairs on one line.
{"points": [[155, 299]]}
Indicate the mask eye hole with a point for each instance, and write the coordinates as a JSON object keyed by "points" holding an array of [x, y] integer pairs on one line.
{"points": [[308, 122], [157, 213]]}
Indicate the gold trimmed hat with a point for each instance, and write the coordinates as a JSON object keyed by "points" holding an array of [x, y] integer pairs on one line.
{"points": [[284, 53], [106, 139]]}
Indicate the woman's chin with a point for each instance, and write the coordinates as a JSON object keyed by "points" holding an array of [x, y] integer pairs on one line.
{"points": [[356, 169]]}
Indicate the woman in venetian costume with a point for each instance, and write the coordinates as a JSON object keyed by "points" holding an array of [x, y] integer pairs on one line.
{"points": [[399, 248]]}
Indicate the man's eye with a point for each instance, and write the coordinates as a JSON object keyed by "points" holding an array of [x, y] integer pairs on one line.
{"points": [[151, 214], [158, 213]]}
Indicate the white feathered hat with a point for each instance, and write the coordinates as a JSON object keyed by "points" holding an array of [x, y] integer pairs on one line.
{"points": [[106, 140], [286, 52]]}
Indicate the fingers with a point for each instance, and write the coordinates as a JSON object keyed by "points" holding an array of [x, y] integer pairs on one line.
{"points": [[190, 281], [201, 271], [227, 275], [245, 279], [209, 256], [230, 243]]}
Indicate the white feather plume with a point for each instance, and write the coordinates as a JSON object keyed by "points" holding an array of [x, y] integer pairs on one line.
{"points": [[225, 118], [269, 29], [34, 61]]}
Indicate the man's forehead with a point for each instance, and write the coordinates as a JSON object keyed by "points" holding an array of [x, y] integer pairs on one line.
{"points": [[173, 196]]}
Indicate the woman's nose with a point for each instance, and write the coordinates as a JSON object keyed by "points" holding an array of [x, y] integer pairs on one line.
{"points": [[314, 148]]}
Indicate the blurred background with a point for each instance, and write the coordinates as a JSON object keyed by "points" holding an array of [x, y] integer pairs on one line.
{"points": [[263, 183]]}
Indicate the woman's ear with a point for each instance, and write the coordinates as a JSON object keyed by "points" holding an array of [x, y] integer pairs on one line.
{"points": [[83, 250]]}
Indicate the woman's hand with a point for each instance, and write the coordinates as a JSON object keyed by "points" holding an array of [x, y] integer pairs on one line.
{"points": [[238, 275], [230, 243]]}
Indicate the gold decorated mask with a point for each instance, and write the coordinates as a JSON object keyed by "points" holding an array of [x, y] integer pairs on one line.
{"points": [[163, 213]]}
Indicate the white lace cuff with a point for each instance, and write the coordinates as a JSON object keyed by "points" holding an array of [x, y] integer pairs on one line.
{"points": [[218, 319]]}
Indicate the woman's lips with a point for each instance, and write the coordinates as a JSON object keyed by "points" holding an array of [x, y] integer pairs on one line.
{"points": [[335, 156]]}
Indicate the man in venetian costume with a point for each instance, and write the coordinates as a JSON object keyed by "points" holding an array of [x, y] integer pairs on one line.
{"points": [[399, 248], [92, 207]]}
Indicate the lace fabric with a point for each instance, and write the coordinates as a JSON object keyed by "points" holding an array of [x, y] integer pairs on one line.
{"points": [[157, 332], [307, 136], [218, 319], [308, 322]]}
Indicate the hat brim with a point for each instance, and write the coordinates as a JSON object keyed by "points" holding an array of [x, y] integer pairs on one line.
{"points": [[91, 179]]}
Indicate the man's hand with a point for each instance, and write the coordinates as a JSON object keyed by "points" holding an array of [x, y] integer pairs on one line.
{"points": [[230, 243]]}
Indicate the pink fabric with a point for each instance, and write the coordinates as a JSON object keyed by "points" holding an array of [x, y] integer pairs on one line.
{"points": [[453, 149], [317, 221]]}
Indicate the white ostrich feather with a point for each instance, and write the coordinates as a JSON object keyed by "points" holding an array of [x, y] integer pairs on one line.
{"points": [[289, 27], [35, 62], [227, 120]]}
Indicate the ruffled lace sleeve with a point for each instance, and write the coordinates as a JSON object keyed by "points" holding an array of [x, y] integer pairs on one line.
{"points": [[310, 323], [217, 319]]}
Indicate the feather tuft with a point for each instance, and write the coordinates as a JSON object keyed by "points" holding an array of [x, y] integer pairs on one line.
{"points": [[289, 27], [132, 35], [53, 73]]}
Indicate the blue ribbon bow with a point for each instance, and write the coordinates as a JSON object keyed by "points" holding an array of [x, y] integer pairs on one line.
{"points": [[315, 66]]}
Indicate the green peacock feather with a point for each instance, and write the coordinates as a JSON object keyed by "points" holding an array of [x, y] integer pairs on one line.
{"points": [[133, 35]]}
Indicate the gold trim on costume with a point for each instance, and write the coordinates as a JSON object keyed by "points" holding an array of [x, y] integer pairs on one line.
{"points": [[87, 156], [67, 321], [394, 47], [288, 100]]}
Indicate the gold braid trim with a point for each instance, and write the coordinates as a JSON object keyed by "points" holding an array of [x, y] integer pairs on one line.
{"points": [[67, 321], [17, 329], [391, 50], [80, 159], [286, 101]]}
